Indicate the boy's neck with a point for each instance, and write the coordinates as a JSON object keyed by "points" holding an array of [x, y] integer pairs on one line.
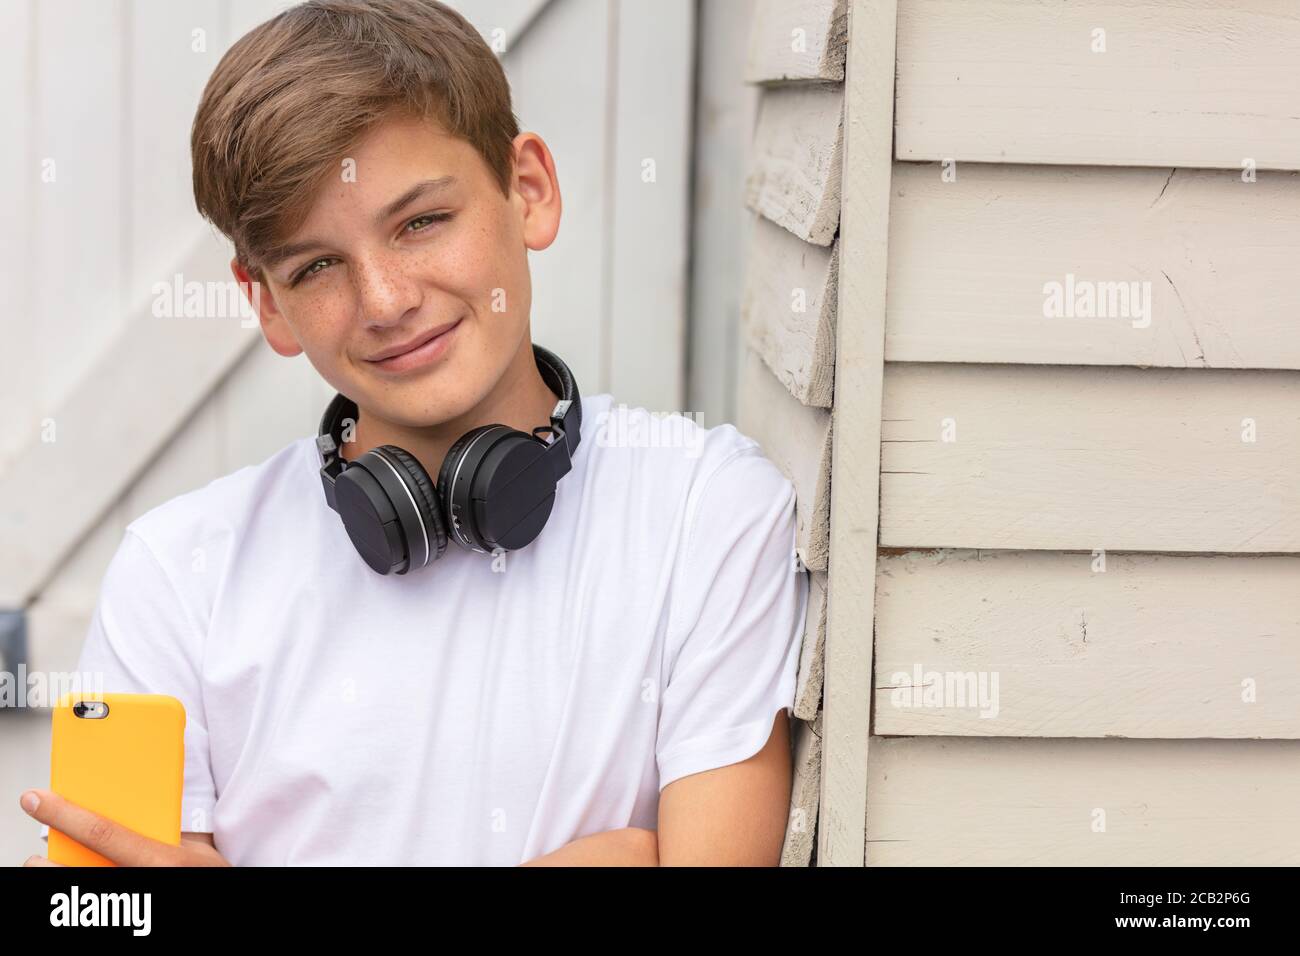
{"points": [[521, 399]]}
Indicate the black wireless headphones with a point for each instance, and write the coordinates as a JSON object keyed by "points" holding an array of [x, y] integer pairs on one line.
{"points": [[495, 487]]}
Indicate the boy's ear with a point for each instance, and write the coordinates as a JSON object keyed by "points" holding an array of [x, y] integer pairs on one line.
{"points": [[275, 329], [537, 191]]}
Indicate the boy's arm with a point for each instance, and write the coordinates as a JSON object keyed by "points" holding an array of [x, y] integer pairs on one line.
{"points": [[728, 816], [626, 846], [739, 608], [733, 815], [723, 744]]}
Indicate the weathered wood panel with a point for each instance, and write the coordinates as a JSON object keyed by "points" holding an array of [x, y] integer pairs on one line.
{"points": [[1077, 458], [798, 440], [801, 827], [1205, 83], [795, 177], [1184, 267], [812, 668], [950, 801], [797, 40], [788, 310], [1045, 644], [859, 369]]}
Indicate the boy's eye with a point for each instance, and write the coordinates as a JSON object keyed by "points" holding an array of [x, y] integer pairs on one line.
{"points": [[418, 224], [311, 269], [415, 225]]}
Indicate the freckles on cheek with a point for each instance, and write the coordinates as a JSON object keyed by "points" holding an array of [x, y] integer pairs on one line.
{"points": [[469, 254], [490, 265], [326, 319]]}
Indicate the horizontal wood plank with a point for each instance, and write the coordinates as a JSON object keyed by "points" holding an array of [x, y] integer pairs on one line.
{"points": [[797, 438], [797, 40], [794, 179], [1207, 265], [1204, 83], [963, 801], [1079, 458], [1045, 644], [812, 670], [805, 793], [788, 310]]}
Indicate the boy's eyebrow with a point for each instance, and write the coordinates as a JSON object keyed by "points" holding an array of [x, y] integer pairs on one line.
{"points": [[412, 194], [422, 188]]}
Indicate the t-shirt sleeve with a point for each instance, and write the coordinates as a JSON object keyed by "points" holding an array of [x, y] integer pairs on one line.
{"points": [[737, 620], [143, 640]]}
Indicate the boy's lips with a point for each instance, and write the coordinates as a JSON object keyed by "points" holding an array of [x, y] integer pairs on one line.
{"points": [[420, 351]]}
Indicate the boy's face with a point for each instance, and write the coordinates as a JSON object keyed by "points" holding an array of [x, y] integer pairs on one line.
{"points": [[370, 279]]}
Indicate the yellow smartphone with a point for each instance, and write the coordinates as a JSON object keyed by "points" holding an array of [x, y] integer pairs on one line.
{"points": [[122, 756]]}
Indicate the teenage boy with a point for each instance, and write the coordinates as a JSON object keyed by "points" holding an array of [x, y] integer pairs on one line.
{"points": [[416, 638]]}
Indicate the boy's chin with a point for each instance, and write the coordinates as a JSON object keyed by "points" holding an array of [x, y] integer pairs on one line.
{"points": [[417, 402]]}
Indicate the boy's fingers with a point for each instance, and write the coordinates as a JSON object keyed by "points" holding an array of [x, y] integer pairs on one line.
{"points": [[112, 840], [40, 861]]}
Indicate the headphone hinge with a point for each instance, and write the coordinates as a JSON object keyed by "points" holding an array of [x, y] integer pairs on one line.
{"points": [[560, 422], [330, 463]]}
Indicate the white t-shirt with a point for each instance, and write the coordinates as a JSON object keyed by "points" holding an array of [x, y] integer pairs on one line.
{"points": [[483, 710]]}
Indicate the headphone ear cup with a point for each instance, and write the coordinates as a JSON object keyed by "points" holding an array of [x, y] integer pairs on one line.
{"points": [[417, 481], [377, 531], [448, 474], [497, 488]]}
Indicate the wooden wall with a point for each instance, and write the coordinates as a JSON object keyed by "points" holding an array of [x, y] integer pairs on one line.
{"points": [[1101, 509], [788, 304], [1096, 505]]}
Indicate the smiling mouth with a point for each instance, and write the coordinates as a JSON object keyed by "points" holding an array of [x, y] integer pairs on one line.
{"points": [[422, 351]]}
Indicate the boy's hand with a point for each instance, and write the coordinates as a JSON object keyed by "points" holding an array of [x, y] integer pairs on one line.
{"points": [[112, 840]]}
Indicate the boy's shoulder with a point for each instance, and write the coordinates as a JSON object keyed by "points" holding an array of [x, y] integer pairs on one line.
{"points": [[672, 440], [226, 503], [677, 447]]}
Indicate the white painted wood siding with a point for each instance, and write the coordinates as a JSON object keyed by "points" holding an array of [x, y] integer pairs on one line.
{"points": [[1201, 83]]}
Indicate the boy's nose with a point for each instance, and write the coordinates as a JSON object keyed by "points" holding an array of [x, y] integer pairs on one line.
{"points": [[386, 292]]}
